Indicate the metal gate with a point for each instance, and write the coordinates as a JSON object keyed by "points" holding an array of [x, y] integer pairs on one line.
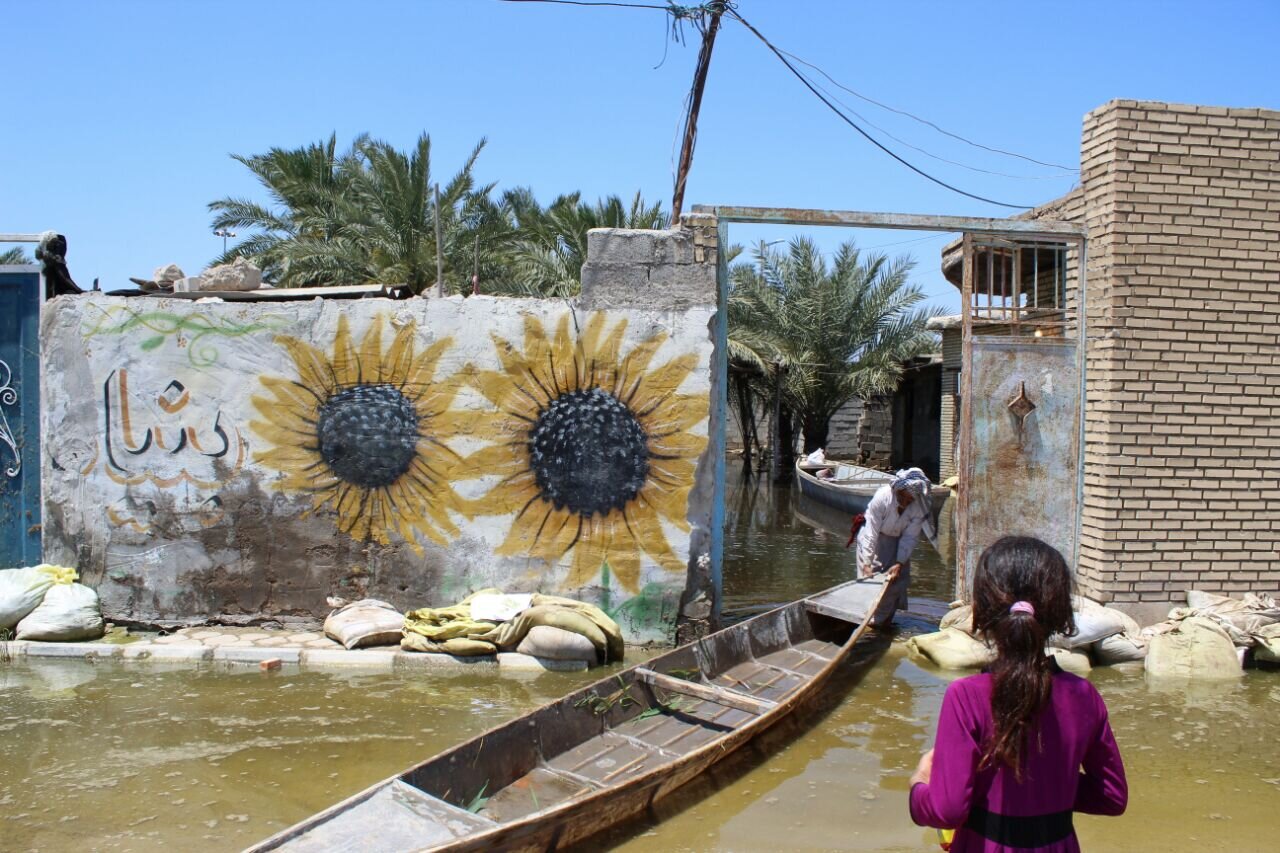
{"points": [[20, 294], [1022, 395]]}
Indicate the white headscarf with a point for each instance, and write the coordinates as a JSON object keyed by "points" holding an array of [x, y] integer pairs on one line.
{"points": [[914, 482]]}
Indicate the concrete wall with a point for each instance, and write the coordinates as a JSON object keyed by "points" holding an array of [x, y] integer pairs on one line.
{"points": [[1183, 422], [240, 461]]}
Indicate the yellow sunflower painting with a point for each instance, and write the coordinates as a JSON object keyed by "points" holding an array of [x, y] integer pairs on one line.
{"points": [[593, 448], [361, 430]]}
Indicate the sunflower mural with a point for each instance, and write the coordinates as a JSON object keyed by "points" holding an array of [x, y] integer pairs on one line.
{"points": [[593, 448], [362, 429]]}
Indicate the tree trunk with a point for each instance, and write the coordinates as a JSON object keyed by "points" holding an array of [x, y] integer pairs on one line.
{"points": [[816, 431], [785, 444]]}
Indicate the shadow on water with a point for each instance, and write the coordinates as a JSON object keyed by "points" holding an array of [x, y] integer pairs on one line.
{"points": [[805, 722]]}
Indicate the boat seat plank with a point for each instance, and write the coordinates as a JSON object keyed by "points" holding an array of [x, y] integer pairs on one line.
{"points": [[764, 683], [538, 789], [851, 602], [696, 724], [719, 694], [607, 758], [794, 660], [396, 817], [822, 648]]}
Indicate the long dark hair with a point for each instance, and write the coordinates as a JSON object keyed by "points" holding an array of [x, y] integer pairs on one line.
{"points": [[1019, 568]]}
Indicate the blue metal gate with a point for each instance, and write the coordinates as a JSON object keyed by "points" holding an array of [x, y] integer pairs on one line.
{"points": [[19, 416]]}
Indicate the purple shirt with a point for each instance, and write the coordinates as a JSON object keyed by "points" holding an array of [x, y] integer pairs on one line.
{"points": [[1073, 733]]}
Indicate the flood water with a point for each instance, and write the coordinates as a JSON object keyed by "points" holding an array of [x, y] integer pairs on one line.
{"points": [[146, 757]]}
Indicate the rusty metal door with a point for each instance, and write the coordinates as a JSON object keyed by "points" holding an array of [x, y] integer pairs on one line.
{"points": [[1022, 396], [20, 289]]}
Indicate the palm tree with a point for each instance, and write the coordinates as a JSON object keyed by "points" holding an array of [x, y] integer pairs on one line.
{"points": [[16, 256], [305, 185], [367, 215], [827, 334]]}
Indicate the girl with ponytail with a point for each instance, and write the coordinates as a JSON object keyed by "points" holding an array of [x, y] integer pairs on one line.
{"points": [[1023, 745]]}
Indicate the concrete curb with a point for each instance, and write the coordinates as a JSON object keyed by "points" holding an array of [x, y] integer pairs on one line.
{"points": [[382, 660]]}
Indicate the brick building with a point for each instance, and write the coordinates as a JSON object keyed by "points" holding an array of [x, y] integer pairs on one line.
{"points": [[1182, 427]]}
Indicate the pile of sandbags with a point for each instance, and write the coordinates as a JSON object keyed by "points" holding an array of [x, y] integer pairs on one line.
{"points": [[1198, 641], [1103, 635], [45, 603], [488, 622]]}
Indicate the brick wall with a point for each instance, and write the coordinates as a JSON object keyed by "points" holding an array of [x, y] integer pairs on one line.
{"points": [[1183, 424]]}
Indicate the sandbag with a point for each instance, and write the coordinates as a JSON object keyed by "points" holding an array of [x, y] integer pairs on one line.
{"points": [[1268, 644], [959, 617], [510, 634], [1241, 617], [69, 613], [1198, 648], [1119, 648], [545, 641], [22, 590], [951, 648], [1074, 662], [1094, 622], [367, 622]]}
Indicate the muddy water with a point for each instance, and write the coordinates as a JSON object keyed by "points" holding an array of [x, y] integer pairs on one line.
{"points": [[148, 758]]}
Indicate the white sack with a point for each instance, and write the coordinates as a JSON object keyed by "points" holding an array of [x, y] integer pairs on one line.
{"points": [[69, 613], [1197, 648], [21, 591], [960, 618], [498, 607], [951, 649], [1073, 662], [1119, 648], [367, 622]]}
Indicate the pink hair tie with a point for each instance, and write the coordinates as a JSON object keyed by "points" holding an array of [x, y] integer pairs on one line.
{"points": [[1022, 607]]}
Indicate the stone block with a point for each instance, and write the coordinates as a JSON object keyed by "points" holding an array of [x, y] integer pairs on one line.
{"points": [[621, 246], [324, 658], [140, 651], [37, 649], [253, 654], [516, 662], [419, 661]]}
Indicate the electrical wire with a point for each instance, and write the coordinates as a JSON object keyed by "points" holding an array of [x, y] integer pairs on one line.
{"points": [[921, 172], [925, 121], [587, 3], [937, 157]]}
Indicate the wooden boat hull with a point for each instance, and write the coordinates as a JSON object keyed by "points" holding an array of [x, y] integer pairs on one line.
{"points": [[853, 495], [596, 759]]}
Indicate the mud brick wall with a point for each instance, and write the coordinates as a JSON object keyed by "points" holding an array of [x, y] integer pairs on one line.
{"points": [[243, 461], [1183, 426]]}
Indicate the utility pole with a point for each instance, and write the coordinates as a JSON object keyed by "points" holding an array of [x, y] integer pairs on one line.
{"points": [[439, 251], [717, 8]]}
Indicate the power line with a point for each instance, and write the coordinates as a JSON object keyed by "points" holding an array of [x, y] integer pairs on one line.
{"points": [[930, 154], [925, 121], [586, 3], [799, 76]]}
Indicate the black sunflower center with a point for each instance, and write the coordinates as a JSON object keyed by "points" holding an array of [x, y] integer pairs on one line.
{"points": [[589, 453], [368, 434]]}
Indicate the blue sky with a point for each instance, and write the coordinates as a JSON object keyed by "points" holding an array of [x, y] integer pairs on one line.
{"points": [[122, 114]]}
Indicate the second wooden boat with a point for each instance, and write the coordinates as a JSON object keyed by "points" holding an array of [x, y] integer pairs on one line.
{"points": [[851, 487], [597, 757]]}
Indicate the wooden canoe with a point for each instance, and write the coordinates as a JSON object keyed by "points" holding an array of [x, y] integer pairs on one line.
{"points": [[601, 755], [853, 487]]}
